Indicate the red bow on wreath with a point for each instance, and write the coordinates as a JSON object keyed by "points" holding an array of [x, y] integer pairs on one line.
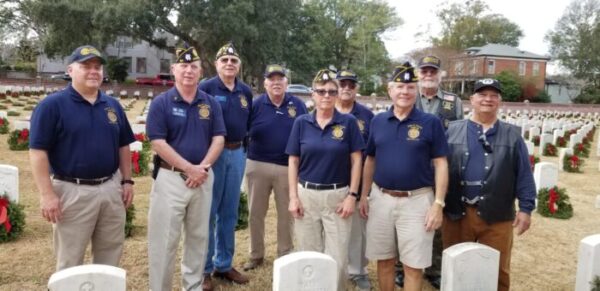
{"points": [[574, 161], [4, 219], [552, 199], [135, 159], [580, 147], [23, 135], [139, 137], [1, 121]]}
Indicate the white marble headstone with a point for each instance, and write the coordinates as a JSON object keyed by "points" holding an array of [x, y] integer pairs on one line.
{"points": [[89, 278], [561, 156], [544, 139], [21, 124], [574, 140], [138, 128], [302, 271], [545, 175], [530, 147], [9, 182], [136, 146], [470, 267], [140, 119], [3, 114], [557, 133], [533, 132], [588, 262]]}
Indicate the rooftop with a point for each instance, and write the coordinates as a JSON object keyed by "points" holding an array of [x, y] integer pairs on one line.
{"points": [[502, 50]]}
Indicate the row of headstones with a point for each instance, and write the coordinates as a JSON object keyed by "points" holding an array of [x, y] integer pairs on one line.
{"points": [[555, 113], [466, 267], [17, 124], [124, 94], [22, 89], [557, 133]]}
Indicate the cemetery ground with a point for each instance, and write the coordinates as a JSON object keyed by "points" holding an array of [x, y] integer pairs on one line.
{"points": [[544, 258]]}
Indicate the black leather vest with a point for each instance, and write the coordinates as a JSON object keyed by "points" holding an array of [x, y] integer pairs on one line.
{"points": [[446, 111]]}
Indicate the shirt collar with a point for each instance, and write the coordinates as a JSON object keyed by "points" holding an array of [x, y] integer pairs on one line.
{"points": [[173, 93], [223, 87], [415, 114], [437, 95], [476, 127], [336, 119], [267, 100], [101, 98]]}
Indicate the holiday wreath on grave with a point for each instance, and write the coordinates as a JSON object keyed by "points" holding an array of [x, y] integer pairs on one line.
{"points": [[139, 162], [533, 160], [19, 140], [572, 163], [554, 202], [549, 150], [4, 125], [12, 219], [581, 150]]}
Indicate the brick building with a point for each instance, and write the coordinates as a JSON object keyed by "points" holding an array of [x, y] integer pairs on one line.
{"points": [[489, 60]]}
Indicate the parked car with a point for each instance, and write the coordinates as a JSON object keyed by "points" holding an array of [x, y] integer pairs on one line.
{"points": [[66, 77], [298, 89], [158, 80]]}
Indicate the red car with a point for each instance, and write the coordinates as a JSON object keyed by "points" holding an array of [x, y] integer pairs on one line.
{"points": [[159, 80]]}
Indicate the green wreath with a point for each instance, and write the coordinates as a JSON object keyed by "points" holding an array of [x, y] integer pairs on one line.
{"points": [[15, 217], [581, 150], [19, 140], [129, 216], [4, 125], [554, 202], [144, 159], [549, 150], [242, 222], [572, 163]]}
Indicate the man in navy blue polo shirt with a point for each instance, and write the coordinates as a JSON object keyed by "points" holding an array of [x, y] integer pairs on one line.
{"points": [[235, 99], [406, 157], [489, 170], [273, 115], [82, 137], [186, 129], [346, 103]]}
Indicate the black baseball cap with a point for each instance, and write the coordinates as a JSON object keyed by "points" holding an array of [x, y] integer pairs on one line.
{"points": [[430, 61], [488, 83], [347, 75], [84, 53]]}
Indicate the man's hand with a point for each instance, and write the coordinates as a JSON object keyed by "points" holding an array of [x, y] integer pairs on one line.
{"points": [[346, 207], [50, 205], [522, 222], [127, 194], [296, 208], [363, 207], [433, 219], [196, 175]]}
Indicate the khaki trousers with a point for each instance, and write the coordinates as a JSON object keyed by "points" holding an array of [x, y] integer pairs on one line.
{"points": [[173, 205], [471, 228], [323, 230], [357, 261], [262, 178], [93, 213]]}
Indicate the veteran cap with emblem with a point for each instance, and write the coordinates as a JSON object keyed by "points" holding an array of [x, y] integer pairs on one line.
{"points": [[186, 54], [347, 75], [488, 83], [404, 73], [274, 69], [324, 75], [84, 53], [227, 50], [430, 61]]}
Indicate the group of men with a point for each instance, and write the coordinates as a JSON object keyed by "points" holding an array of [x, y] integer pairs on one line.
{"points": [[424, 167]]}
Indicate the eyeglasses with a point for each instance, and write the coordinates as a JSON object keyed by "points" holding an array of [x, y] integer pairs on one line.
{"points": [[323, 92], [234, 61], [487, 147], [351, 85]]}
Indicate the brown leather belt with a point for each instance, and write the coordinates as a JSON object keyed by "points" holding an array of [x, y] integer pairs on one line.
{"points": [[166, 165], [78, 181], [233, 145], [397, 193]]}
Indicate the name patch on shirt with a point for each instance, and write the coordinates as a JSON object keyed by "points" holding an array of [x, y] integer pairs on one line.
{"points": [[179, 112], [447, 105], [221, 98], [414, 131]]}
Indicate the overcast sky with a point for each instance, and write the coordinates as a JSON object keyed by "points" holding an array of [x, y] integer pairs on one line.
{"points": [[535, 17]]}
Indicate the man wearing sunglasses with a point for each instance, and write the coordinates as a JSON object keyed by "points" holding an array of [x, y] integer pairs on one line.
{"points": [[489, 169], [235, 98], [346, 103]]}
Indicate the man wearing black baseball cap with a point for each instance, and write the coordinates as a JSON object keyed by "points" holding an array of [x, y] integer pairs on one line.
{"points": [[81, 164], [480, 203]]}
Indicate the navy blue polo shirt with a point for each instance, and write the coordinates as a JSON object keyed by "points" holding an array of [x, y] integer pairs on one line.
{"points": [[363, 116], [270, 128], [403, 150], [236, 106], [82, 139], [325, 153], [475, 167], [187, 128]]}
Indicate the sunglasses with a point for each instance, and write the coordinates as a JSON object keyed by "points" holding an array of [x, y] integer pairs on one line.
{"points": [[487, 147], [351, 85], [229, 60], [323, 92]]}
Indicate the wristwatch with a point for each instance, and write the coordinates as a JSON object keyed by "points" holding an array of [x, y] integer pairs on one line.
{"points": [[129, 181], [355, 195], [440, 203]]}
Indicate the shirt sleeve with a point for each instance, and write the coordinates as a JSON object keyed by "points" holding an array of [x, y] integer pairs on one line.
{"points": [[293, 145], [43, 126], [218, 125], [439, 146], [357, 142], [125, 133], [156, 123], [525, 187], [370, 149]]}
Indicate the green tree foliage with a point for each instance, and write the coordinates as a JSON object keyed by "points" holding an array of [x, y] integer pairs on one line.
{"points": [[468, 24], [511, 86], [590, 94], [117, 69], [574, 40], [303, 35]]}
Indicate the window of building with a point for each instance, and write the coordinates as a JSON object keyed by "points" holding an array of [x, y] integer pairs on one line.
{"points": [[474, 65], [458, 68], [129, 65], [165, 66], [522, 66], [140, 65], [491, 67], [536, 69]]}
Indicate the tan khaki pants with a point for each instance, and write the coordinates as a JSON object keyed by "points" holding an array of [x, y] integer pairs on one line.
{"points": [[323, 230], [172, 206], [357, 261], [93, 213], [262, 178]]}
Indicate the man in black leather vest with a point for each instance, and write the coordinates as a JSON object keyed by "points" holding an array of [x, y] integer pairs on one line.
{"points": [[489, 170]]}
